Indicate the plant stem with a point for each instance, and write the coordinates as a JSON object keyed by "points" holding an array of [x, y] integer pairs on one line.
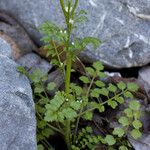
{"points": [[88, 110], [68, 15], [67, 86], [68, 74], [56, 51], [87, 94], [52, 127]]}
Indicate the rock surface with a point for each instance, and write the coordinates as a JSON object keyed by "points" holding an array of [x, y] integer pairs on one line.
{"points": [[142, 144], [8, 47], [144, 77], [17, 113], [32, 62], [14, 30], [122, 25]]}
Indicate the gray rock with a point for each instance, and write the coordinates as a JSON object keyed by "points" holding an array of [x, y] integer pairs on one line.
{"points": [[141, 144], [29, 60], [122, 25], [13, 29], [44, 66], [144, 77], [17, 113], [5, 48], [8, 47], [32, 62], [58, 78]]}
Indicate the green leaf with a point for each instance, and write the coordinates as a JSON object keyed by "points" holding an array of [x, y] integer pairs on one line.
{"points": [[51, 86], [84, 79], [40, 147], [132, 87], [110, 140], [56, 103], [22, 70], [50, 116], [112, 88], [101, 108], [88, 129], [128, 94], [75, 105], [36, 76], [124, 121], [38, 89], [90, 71], [134, 105], [58, 99], [137, 114], [88, 115], [55, 62], [69, 113], [95, 92], [103, 91], [41, 124], [137, 124], [77, 89], [121, 85], [120, 100], [136, 133], [99, 83], [113, 104], [90, 40], [98, 66], [123, 147], [118, 131], [101, 74], [47, 132], [128, 112]]}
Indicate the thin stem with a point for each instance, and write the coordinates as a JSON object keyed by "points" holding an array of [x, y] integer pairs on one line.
{"points": [[63, 8], [44, 89], [88, 110], [87, 94], [74, 7], [68, 15], [92, 81], [67, 84], [68, 74], [52, 127], [58, 57]]}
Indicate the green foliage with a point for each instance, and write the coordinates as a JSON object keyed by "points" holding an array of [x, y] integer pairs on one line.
{"points": [[51, 86], [84, 79], [110, 140], [86, 140], [78, 101], [60, 108], [130, 121], [119, 132]]}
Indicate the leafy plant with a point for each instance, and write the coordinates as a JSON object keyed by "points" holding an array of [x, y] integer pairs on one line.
{"points": [[63, 112]]}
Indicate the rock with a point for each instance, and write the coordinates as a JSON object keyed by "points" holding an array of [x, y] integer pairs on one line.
{"points": [[144, 77], [17, 113], [32, 62], [142, 144], [8, 47], [58, 78], [44, 66], [112, 74], [29, 60], [13, 29], [122, 26]]}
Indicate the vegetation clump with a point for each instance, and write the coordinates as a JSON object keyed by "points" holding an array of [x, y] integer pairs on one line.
{"points": [[63, 113]]}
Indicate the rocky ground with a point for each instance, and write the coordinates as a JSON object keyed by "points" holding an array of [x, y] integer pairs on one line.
{"points": [[122, 26]]}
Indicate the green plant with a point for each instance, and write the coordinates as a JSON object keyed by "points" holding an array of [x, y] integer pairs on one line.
{"points": [[63, 112]]}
